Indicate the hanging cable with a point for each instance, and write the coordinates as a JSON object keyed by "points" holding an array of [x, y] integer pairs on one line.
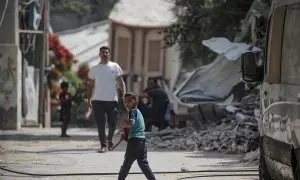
{"points": [[26, 3], [3, 13], [116, 173]]}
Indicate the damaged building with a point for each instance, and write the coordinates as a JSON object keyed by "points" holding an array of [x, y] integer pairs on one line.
{"points": [[216, 100]]}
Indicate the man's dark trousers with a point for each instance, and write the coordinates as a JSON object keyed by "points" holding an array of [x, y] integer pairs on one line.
{"points": [[136, 150], [101, 109]]}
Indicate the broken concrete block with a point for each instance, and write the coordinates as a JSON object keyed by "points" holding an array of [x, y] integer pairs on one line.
{"points": [[240, 117], [257, 112], [231, 109]]}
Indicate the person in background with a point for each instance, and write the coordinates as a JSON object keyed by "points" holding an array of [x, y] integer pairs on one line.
{"points": [[103, 97], [65, 111], [136, 144], [160, 101]]}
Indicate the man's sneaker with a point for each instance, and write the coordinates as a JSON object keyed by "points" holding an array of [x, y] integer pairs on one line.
{"points": [[110, 145], [102, 149], [64, 136]]}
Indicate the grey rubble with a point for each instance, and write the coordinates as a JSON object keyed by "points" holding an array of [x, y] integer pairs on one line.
{"points": [[237, 132]]}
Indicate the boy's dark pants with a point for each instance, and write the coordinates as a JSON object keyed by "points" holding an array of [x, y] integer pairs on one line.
{"points": [[65, 117], [100, 109], [136, 150]]}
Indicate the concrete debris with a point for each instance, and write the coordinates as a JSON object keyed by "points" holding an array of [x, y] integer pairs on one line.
{"points": [[184, 169], [232, 109], [237, 132], [252, 157]]}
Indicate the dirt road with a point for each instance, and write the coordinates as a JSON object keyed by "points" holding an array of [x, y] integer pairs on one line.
{"points": [[42, 151]]}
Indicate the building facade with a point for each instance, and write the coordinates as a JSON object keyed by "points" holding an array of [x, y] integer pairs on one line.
{"points": [[138, 46]]}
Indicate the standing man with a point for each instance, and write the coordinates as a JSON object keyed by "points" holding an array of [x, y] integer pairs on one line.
{"points": [[103, 97]]}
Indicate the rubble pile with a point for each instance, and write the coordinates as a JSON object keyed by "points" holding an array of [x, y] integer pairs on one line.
{"points": [[237, 132]]}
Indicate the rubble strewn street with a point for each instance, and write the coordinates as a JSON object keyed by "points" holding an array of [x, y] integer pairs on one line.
{"points": [[237, 132], [37, 150]]}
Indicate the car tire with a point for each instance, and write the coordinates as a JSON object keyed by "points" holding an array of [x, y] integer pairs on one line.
{"points": [[263, 169], [297, 172]]}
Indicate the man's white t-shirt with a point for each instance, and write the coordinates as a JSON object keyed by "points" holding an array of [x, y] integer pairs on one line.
{"points": [[105, 81]]}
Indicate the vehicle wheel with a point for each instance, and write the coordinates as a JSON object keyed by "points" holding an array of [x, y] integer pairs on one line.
{"points": [[263, 170], [297, 172]]}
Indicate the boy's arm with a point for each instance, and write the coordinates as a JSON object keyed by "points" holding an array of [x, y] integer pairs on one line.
{"points": [[129, 123]]}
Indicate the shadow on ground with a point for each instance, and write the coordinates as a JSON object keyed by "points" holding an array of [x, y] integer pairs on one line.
{"points": [[30, 137]]}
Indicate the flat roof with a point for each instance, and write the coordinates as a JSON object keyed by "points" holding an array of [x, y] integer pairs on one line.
{"points": [[144, 13]]}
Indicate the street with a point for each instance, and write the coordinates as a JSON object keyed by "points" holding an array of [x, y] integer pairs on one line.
{"points": [[41, 151]]}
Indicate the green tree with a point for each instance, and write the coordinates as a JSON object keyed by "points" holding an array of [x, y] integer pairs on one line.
{"points": [[198, 20]]}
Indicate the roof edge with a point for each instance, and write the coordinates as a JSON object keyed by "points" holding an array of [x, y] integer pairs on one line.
{"points": [[140, 26]]}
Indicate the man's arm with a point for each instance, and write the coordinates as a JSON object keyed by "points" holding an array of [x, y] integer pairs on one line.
{"points": [[90, 90], [121, 84], [120, 80], [90, 87]]}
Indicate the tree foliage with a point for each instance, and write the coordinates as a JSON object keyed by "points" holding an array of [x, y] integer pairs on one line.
{"points": [[198, 20]]}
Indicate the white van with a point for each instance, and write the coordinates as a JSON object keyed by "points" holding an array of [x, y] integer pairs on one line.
{"points": [[280, 92]]}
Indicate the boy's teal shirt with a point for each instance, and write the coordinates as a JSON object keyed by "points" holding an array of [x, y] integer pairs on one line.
{"points": [[137, 131]]}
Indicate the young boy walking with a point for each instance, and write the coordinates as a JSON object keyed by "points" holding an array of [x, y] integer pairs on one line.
{"points": [[66, 104], [136, 144]]}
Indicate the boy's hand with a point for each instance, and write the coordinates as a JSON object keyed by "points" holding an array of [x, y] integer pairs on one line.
{"points": [[125, 123]]}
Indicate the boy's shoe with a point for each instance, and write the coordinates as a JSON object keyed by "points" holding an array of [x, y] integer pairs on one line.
{"points": [[64, 135], [102, 149]]}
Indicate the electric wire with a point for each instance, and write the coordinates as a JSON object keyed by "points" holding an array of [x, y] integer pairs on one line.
{"points": [[3, 13], [113, 173]]}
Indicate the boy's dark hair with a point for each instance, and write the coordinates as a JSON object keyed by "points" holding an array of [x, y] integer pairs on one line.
{"points": [[131, 95], [64, 85], [104, 48]]}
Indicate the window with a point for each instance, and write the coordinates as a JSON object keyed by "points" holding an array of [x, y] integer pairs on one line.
{"points": [[154, 56], [290, 69], [123, 48], [275, 45]]}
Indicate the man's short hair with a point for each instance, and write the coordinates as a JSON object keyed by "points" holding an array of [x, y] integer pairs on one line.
{"points": [[104, 48], [131, 95]]}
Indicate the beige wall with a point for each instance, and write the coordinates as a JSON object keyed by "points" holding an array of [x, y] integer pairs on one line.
{"points": [[172, 59], [173, 64], [153, 35], [125, 33], [138, 51], [110, 34]]}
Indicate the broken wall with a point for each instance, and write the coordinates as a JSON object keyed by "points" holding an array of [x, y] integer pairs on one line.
{"points": [[10, 68]]}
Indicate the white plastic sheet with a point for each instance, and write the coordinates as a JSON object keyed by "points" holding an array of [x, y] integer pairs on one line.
{"points": [[31, 95], [232, 51], [212, 82]]}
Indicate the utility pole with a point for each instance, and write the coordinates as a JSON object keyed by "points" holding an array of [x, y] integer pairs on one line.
{"points": [[42, 94]]}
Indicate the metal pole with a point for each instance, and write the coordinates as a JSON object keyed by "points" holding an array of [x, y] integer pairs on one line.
{"points": [[30, 32], [47, 95], [42, 68]]}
